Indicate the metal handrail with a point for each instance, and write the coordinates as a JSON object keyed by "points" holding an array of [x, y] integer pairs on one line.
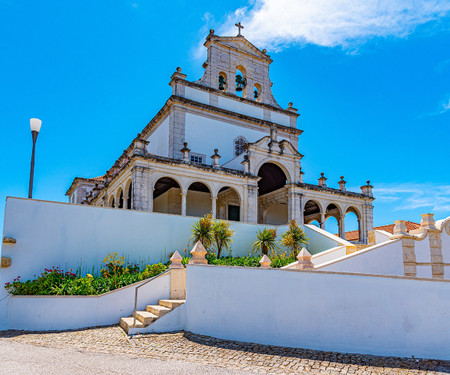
{"points": [[136, 292]]}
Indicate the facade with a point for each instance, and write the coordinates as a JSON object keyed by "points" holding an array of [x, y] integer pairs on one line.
{"points": [[223, 144]]}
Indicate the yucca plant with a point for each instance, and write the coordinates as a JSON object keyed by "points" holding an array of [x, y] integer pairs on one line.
{"points": [[222, 236], [265, 240], [293, 238], [202, 230]]}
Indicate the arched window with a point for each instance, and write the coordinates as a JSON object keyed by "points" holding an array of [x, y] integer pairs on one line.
{"points": [[239, 145]]}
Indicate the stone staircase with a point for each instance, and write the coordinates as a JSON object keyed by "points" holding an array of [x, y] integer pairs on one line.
{"points": [[151, 313]]}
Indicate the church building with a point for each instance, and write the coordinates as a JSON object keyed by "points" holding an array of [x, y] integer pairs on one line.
{"points": [[223, 145]]}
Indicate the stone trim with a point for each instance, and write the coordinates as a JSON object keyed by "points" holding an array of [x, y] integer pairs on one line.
{"points": [[333, 191]]}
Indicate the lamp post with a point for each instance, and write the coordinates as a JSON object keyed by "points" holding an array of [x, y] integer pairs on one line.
{"points": [[35, 125]]}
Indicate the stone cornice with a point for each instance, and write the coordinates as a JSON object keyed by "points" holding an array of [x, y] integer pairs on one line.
{"points": [[333, 191], [85, 180]]}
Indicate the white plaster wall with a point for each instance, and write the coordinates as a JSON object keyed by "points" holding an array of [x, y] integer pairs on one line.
{"points": [[72, 312], [197, 95], [240, 107], [278, 118], [320, 239], [382, 259], [169, 202], [381, 236], [159, 140], [321, 311], [204, 135]]}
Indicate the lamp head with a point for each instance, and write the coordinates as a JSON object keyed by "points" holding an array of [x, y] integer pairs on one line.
{"points": [[35, 124]]}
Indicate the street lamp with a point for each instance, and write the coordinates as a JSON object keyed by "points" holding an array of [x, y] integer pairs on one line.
{"points": [[35, 125]]}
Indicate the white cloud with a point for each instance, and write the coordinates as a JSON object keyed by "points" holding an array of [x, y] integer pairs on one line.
{"points": [[445, 106], [410, 196], [347, 23]]}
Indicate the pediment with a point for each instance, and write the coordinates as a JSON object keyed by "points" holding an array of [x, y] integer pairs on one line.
{"points": [[241, 44], [267, 145]]}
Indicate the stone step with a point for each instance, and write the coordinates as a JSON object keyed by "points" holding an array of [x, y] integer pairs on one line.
{"points": [[171, 303], [158, 310], [145, 317], [127, 323]]}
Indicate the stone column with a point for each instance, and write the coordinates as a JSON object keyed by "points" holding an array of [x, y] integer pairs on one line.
{"points": [[434, 235], [322, 221], [140, 178], [183, 204], [294, 211], [252, 204], [408, 246], [341, 223], [214, 207]]}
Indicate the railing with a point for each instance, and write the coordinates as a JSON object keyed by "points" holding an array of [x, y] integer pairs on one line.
{"points": [[136, 292]]}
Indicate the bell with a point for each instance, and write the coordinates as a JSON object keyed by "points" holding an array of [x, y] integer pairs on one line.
{"points": [[240, 82], [221, 83], [256, 94]]}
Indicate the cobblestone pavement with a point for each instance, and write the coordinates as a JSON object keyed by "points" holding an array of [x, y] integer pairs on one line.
{"points": [[254, 358]]}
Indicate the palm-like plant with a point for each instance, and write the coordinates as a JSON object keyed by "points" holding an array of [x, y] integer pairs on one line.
{"points": [[294, 238], [202, 230], [265, 240], [222, 234]]}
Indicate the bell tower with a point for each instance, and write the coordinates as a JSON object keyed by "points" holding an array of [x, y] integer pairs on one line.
{"points": [[236, 66]]}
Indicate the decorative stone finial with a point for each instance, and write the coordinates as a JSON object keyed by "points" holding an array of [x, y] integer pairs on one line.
{"points": [[211, 31], [246, 164], [139, 145], [198, 254], [265, 261], [301, 175], [185, 153], [178, 69], [290, 104], [264, 51], [175, 260], [367, 189], [178, 74], [304, 260], [322, 180], [342, 184], [400, 228], [215, 159], [273, 134], [291, 108], [427, 222]]}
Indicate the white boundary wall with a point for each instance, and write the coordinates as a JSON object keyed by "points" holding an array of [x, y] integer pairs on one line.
{"points": [[340, 312], [36, 313]]}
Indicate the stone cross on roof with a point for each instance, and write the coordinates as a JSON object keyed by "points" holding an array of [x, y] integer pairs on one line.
{"points": [[239, 26]]}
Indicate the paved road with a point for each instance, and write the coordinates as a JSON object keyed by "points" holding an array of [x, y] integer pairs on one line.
{"points": [[19, 358], [107, 350]]}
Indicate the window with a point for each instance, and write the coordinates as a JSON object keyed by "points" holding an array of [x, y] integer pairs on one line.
{"points": [[198, 158], [239, 145]]}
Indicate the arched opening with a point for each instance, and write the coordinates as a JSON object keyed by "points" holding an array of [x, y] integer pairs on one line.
{"points": [[167, 196], [272, 192], [128, 195], [120, 198], [198, 200], [222, 81], [241, 82], [240, 143], [111, 202], [332, 215], [315, 223], [311, 212], [352, 225], [257, 93], [332, 225], [228, 204]]}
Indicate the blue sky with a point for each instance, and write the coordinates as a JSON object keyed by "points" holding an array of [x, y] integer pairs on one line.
{"points": [[371, 81]]}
